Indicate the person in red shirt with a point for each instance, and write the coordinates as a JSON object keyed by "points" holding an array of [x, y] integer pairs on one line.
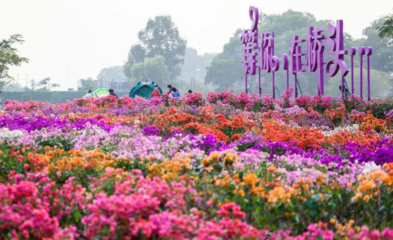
{"points": [[156, 92]]}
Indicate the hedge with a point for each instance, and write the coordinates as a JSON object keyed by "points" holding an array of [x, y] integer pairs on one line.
{"points": [[50, 97]]}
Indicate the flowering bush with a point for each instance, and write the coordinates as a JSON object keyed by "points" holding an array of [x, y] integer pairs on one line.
{"points": [[228, 167]]}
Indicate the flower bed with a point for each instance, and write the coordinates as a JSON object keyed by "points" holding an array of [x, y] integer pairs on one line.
{"points": [[228, 167]]}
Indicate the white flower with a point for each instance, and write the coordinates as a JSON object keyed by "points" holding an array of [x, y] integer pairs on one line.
{"points": [[7, 136], [370, 167]]}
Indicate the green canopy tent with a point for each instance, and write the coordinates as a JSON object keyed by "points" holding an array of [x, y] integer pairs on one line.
{"points": [[143, 89], [101, 92]]}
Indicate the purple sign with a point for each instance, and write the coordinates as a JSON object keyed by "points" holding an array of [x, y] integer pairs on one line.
{"points": [[298, 61]]}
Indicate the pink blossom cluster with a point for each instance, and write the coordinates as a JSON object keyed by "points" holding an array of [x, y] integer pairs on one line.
{"points": [[33, 207], [316, 102], [224, 97], [192, 99], [27, 106]]}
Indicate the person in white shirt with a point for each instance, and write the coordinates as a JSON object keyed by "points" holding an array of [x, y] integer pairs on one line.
{"points": [[88, 95]]}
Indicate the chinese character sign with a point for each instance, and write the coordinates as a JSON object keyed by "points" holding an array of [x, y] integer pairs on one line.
{"points": [[317, 43], [249, 38], [267, 60]]}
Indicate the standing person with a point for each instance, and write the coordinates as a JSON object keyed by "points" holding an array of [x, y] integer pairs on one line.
{"points": [[175, 93], [111, 92], [88, 95], [156, 92]]}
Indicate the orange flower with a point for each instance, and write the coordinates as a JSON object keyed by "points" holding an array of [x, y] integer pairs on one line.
{"points": [[250, 179], [272, 169]]}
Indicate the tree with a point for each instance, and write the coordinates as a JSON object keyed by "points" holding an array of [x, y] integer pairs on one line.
{"points": [[226, 70], [136, 55], [382, 57], [285, 26], [223, 73], [45, 85], [153, 69], [193, 61], [87, 84], [9, 57], [380, 85], [386, 30], [160, 38], [112, 74]]}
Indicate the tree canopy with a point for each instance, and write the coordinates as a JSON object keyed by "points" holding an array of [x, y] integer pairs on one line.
{"points": [[88, 84], [382, 57], [153, 69], [9, 57], [285, 26], [192, 62], [159, 38], [386, 30], [112, 74], [380, 85]]}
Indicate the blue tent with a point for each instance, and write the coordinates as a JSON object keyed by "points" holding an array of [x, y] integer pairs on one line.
{"points": [[143, 89]]}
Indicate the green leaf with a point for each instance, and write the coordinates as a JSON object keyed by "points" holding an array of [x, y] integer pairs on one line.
{"points": [[312, 213], [77, 216], [316, 197]]}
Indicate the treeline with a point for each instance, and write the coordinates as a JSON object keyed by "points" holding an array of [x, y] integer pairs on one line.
{"points": [[49, 97]]}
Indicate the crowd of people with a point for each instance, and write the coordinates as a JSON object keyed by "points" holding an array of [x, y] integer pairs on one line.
{"points": [[89, 94], [173, 92]]}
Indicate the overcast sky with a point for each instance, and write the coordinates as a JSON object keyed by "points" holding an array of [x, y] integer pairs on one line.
{"points": [[72, 39]]}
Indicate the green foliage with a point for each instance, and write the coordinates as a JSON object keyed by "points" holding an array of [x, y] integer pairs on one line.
{"points": [[88, 84], [220, 70], [226, 70], [136, 55], [9, 57], [380, 85], [380, 108], [285, 26], [153, 69], [63, 143], [159, 38], [386, 30], [382, 57]]}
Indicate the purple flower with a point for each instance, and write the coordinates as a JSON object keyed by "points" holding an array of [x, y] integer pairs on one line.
{"points": [[151, 131]]}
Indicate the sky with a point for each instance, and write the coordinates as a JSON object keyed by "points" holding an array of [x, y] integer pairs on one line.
{"points": [[68, 40]]}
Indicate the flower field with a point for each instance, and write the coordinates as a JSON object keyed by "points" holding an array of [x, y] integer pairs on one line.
{"points": [[225, 167]]}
